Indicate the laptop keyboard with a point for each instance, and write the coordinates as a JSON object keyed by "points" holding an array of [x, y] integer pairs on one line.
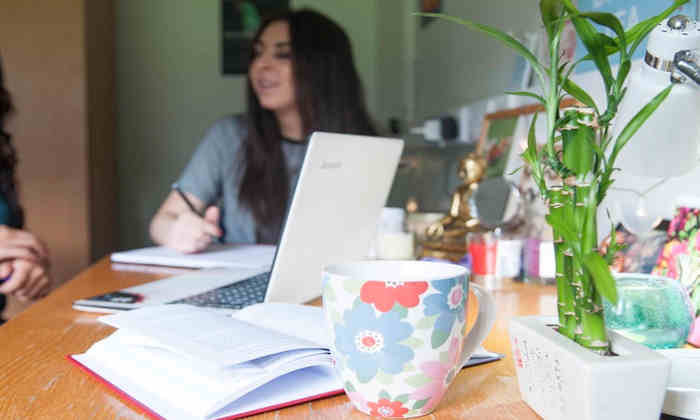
{"points": [[233, 296]]}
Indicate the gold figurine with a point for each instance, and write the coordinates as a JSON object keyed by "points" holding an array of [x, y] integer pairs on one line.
{"points": [[446, 238]]}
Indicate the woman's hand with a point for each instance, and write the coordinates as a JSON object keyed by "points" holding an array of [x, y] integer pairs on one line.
{"points": [[17, 243], [28, 279], [191, 233], [176, 226]]}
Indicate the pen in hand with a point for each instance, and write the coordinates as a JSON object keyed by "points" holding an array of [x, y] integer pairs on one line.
{"points": [[193, 209], [187, 200]]}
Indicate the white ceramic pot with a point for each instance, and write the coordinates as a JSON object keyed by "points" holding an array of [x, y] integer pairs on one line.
{"points": [[559, 379]]}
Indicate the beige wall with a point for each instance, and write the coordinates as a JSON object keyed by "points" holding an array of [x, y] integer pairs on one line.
{"points": [[43, 53]]}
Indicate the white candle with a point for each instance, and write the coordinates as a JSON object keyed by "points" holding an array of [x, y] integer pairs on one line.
{"points": [[395, 246]]}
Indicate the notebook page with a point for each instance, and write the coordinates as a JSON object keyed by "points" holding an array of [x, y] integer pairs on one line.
{"points": [[303, 321], [213, 338], [293, 386], [145, 369], [217, 255], [169, 376]]}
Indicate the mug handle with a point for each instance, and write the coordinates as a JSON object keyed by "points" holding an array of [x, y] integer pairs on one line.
{"points": [[484, 321]]}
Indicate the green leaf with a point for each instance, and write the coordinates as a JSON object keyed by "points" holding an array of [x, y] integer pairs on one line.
{"points": [[638, 32], [636, 35], [420, 404], [563, 226], [403, 312], [602, 278], [530, 156], [610, 21], [426, 322], [417, 381], [550, 10], [403, 398], [349, 386], [438, 338], [609, 254], [530, 94], [638, 120], [384, 394], [594, 42], [571, 68], [579, 94], [496, 34], [412, 342]]}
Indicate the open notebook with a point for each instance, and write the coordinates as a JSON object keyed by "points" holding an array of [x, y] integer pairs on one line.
{"points": [[183, 362], [217, 255]]}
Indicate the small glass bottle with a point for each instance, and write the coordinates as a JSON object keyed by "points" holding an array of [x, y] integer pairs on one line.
{"points": [[483, 249]]}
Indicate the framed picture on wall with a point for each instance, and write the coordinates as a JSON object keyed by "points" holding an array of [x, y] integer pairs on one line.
{"points": [[240, 19], [503, 140], [500, 130], [512, 165], [429, 6]]}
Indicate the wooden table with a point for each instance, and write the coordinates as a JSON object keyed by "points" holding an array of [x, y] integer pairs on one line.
{"points": [[37, 382]]}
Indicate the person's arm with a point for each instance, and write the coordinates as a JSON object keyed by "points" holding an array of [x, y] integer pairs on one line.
{"points": [[18, 243], [28, 280], [24, 264], [176, 226]]}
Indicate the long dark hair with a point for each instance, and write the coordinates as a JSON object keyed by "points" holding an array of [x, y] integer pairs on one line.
{"points": [[329, 95], [8, 160]]}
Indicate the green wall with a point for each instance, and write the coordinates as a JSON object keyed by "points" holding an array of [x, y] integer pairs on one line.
{"points": [[455, 66], [170, 89]]}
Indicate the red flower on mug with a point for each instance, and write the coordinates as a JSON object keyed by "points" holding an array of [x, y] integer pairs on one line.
{"points": [[386, 408], [384, 294]]}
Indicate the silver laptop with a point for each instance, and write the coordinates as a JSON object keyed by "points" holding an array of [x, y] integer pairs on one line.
{"points": [[343, 185]]}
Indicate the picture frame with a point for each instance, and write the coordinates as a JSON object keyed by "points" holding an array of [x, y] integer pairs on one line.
{"points": [[502, 140], [240, 20], [428, 6], [501, 129]]}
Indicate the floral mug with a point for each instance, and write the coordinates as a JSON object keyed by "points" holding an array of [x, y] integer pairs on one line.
{"points": [[399, 331]]}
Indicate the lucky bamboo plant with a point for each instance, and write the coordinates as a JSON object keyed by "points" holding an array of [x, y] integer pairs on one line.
{"points": [[581, 150]]}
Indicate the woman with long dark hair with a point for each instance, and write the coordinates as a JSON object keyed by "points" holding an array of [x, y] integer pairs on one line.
{"points": [[23, 257], [301, 79]]}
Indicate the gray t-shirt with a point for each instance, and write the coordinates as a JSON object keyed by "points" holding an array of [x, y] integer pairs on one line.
{"points": [[213, 175]]}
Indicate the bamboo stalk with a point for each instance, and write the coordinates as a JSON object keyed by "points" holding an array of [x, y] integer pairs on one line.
{"points": [[560, 203]]}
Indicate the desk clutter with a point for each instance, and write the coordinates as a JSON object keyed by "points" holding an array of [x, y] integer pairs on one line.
{"points": [[498, 230], [184, 362]]}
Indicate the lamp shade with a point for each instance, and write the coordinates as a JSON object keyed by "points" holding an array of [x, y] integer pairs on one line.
{"points": [[667, 144]]}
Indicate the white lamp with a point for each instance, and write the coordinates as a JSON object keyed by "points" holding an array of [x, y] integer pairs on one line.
{"points": [[667, 144]]}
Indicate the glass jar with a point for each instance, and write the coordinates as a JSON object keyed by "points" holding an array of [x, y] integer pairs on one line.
{"points": [[652, 310]]}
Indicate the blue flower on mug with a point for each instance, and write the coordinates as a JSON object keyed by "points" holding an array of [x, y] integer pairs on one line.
{"points": [[448, 305], [371, 342]]}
